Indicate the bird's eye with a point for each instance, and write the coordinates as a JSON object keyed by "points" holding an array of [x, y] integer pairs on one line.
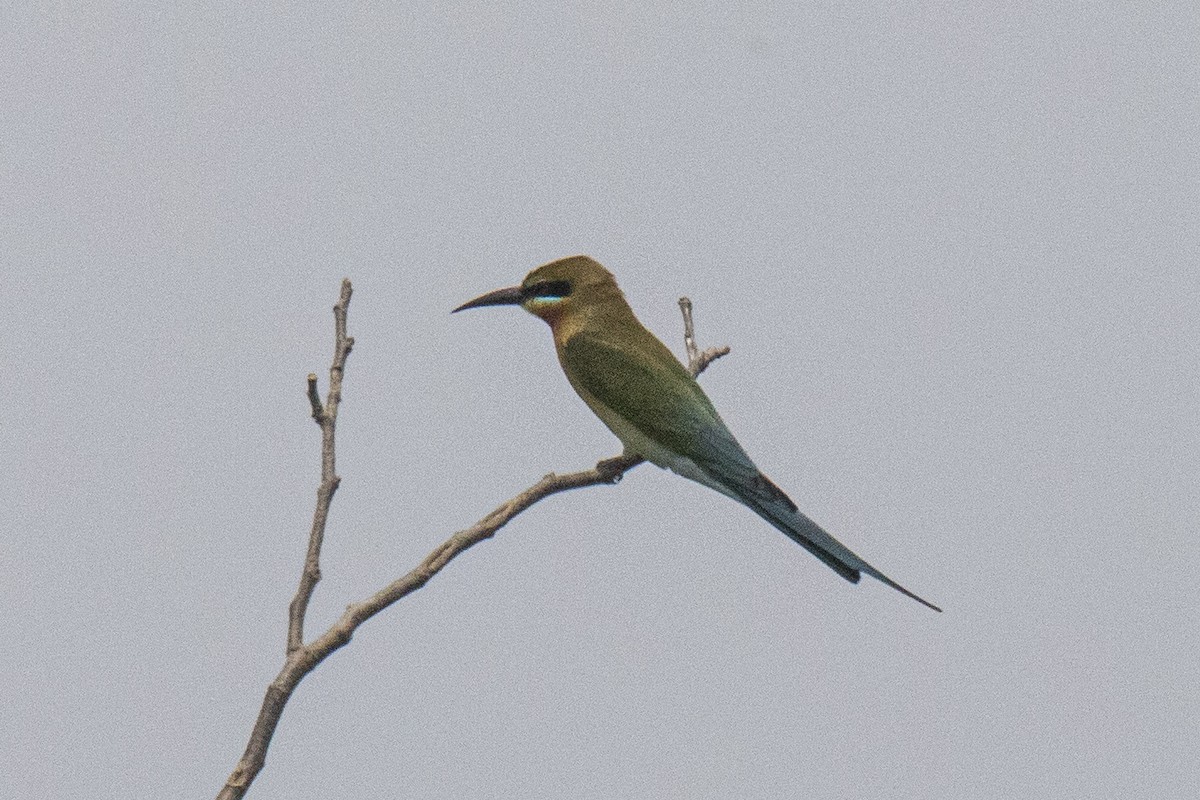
{"points": [[548, 290]]}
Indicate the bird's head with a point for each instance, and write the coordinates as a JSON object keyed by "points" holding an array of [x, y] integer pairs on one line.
{"points": [[555, 290]]}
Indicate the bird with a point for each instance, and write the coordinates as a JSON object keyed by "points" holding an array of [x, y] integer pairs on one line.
{"points": [[641, 391]]}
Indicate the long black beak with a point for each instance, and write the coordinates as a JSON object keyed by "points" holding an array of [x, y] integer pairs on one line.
{"points": [[511, 296]]}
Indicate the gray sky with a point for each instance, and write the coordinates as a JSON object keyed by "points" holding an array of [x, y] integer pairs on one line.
{"points": [[953, 250]]}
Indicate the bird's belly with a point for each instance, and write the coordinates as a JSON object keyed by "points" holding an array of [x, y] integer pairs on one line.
{"points": [[637, 442]]}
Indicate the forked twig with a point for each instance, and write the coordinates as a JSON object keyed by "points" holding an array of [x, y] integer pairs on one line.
{"points": [[326, 416]]}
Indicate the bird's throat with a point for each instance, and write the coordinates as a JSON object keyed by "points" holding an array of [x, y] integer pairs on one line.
{"points": [[563, 326]]}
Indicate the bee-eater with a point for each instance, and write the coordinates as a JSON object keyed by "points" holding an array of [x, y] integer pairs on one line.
{"points": [[637, 387]]}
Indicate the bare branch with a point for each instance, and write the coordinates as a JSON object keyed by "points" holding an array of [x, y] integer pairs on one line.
{"points": [[303, 658], [326, 417], [697, 361]]}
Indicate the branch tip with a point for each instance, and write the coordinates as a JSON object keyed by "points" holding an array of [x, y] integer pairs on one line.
{"points": [[697, 361]]}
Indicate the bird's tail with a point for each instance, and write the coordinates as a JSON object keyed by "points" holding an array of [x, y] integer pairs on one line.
{"points": [[769, 502]]}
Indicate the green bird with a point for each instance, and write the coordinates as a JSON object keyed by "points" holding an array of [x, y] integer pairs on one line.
{"points": [[637, 387]]}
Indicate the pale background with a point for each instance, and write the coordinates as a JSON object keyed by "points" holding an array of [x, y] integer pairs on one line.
{"points": [[954, 250]]}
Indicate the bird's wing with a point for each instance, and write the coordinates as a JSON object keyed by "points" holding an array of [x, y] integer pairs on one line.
{"points": [[650, 390]]}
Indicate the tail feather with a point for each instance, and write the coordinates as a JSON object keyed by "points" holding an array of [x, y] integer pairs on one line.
{"points": [[782, 513]]}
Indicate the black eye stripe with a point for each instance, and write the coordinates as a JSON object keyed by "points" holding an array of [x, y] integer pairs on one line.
{"points": [[548, 289]]}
